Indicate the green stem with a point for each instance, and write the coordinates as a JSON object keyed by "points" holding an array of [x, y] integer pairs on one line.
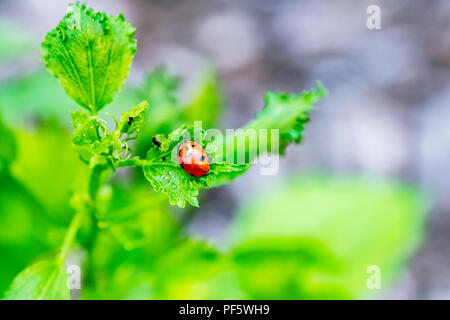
{"points": [[133, 162], [70, 235], [94, 181], [93, 187], [75, 224]]}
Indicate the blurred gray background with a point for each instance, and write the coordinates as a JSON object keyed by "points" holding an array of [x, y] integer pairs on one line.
{"points": [[387, 114]]}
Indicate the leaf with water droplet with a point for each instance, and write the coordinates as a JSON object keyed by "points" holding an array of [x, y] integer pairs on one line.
{"points": [[284, 112], [165, 174]]}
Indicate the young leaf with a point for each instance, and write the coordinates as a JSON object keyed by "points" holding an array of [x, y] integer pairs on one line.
{"points": [[44, 280], [92, 138], [87, 131], [91, 54], [79, 118], [165, 175], [133, 120]]}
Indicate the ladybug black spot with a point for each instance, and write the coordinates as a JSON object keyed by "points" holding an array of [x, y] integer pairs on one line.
{"points": [[202, 158], [182, 165], [193, 144], [156, 142]]}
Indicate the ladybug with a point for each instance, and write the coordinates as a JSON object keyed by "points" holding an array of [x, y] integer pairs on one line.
{"points": [[193, 159]]}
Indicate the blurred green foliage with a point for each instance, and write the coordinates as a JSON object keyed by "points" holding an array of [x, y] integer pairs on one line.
{"points": [[41, 165], [15, 43], [333, 228], [309, 237], [27, 95], [313, 238]]}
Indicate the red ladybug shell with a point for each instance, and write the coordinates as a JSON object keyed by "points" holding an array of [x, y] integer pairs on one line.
{"points": [[193, 159]]}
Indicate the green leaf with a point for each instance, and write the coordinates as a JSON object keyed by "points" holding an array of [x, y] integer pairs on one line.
{"points": [[288, 113], [88, 132], [79, 118], [93, 140], [133, 120], [91, 54], [165, 175], [174, 182], [44, 280], [284, 112]]}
